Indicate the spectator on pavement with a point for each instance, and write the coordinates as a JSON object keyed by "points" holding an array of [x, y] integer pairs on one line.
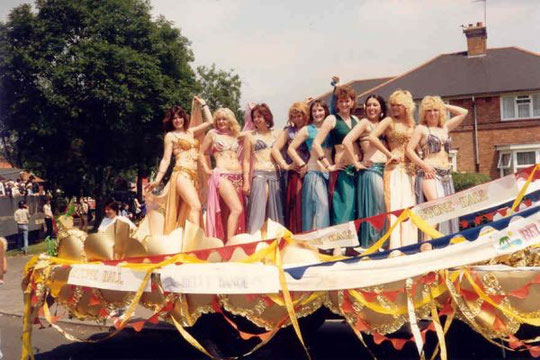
{"points": [[22, 218], [3, 259], [47, 211]]}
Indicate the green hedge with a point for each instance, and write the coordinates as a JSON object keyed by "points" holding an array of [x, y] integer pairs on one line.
{"points": [[464, 181]]}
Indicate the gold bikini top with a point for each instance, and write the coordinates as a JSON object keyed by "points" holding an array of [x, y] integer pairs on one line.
{"points": [[399, 136], [181, 144]]}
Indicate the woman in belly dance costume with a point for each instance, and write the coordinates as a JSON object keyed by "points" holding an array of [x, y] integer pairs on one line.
{"points": [[180, 197], [225, 215], [370, 185], [263, 189], [338, 126], [434, 178], [315, 207], [399, 172], [298, 117]]}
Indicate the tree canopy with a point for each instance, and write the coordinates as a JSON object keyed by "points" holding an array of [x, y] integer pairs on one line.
{"points": [[220, 89], [84, 86]]}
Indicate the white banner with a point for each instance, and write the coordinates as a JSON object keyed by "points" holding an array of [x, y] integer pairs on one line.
{"points": [[343, 235], [220, 278], [471, 200], [521, 232], [106, 277]]}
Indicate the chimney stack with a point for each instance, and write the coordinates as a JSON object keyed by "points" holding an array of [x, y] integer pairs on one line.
{"points": [[476, 39]]}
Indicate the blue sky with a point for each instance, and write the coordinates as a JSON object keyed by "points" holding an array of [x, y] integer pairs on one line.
{"points": [[285, 51]]}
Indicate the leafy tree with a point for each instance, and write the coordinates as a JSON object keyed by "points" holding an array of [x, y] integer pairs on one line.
{"points": [[220, 89], [84, 85]]}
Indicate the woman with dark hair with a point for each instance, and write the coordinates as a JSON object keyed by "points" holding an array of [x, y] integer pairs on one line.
{"points": [[315, 206], [298, 118], [262, 185], [370, 184], [181, 195], [343, 207], [225, 212]]}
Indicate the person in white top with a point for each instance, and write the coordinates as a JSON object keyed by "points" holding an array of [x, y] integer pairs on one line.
{"points": [[47, 211], [111, 215], [3, 259], [22, 218]]}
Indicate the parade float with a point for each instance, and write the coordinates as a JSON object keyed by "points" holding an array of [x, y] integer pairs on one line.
{"points": [[487, 275]]}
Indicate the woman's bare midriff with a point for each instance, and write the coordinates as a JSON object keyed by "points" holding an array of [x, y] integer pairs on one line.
{"points": [[228, 161]]}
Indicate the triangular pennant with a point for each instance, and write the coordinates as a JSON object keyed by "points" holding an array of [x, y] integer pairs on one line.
{"points": [[154, 319], [499, 325], [360, 325], [497, 298], [398, 344], [446, 310], [370, 296], [203, 254], [137, 326], [468, 295], [377, 221], [535, 351], [94, 300], [520, 293], [104, 313], [392, 295], [226, 252], [514, 342], [347, 307], [378, 338], [249, 248]]}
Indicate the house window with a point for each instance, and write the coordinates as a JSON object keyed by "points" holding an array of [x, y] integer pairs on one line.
{"points": [[520, 107], [513, 158], [452, 159]]}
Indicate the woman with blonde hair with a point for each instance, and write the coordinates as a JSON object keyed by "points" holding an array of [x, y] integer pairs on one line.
{"points": [[399, 173], [225, 213], [434, 178], [180, 197], [298, 118]]}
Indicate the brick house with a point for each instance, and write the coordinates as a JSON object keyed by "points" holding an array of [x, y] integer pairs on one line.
{"points": [[501, 89]]}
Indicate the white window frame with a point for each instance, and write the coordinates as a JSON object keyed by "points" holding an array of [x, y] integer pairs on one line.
{"points": [[453, 155], [515, 98], [513, 151]]}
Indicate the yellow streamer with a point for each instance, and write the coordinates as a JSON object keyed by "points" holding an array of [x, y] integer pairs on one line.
{"points": [[523, 191], [419, 342], [287, 298], [27, 351], [438, 327], [379, 243], [190, 339]]}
